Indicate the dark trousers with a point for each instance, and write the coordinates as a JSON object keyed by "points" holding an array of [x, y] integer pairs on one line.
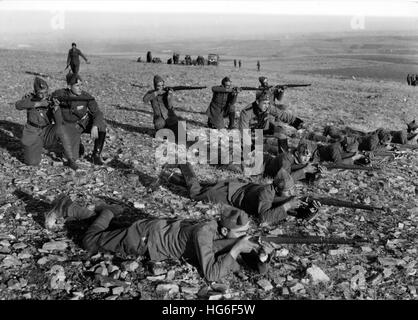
{"points": [[35, 139], [72, 133], [75, 67], [216, 193], [123, 241]]}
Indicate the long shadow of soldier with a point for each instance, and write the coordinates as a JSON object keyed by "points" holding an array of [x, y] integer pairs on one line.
{"points": [[194, 122], [143, 130], [12, 142]]}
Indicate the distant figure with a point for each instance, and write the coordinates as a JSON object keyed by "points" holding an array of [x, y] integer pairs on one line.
{"points": [[139, 59], [235, 63], [414, 79], [258, 65], [149, 57], [408, 79], [73, 59], [239, 63], [176, 57], [169, 61]]}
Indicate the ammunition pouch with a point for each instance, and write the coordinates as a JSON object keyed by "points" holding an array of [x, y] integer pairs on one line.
{"points": [[84, 121]]}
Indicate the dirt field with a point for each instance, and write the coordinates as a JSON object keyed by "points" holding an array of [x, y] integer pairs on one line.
{"points": [[384, 268]]}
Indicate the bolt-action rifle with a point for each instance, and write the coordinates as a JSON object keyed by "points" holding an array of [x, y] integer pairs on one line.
{"points": [[279, 86], [225, 245], [330, 166], [328, 201]]}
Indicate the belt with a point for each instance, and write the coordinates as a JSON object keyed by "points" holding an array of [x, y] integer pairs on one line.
{"points": [[36, 125]]}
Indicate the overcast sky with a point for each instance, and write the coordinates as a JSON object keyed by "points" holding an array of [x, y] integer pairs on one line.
{"points": [[28, 21]]}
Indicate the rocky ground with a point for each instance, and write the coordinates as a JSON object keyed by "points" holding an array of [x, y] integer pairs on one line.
{"points": [[38, 264]]}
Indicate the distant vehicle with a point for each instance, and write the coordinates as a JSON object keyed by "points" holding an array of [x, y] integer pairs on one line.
{"points": [[213, 59]]}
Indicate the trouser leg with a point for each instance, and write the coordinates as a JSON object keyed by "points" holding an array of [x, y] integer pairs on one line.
{"points": [[191, 179], [32, 145]]}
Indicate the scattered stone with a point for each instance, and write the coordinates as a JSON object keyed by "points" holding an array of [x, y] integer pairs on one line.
{"points": [[20, 245], [42, 261], [13, 284], [156, 278], [388, 261], [337, 252], [297, 287], [285, 291], [11, 261], [100, 290], [118, 290], [158, 271], [113, 297], [366, 249], [24, 255], [317, 275], [139, 205], [282, 253], [333, 191], [58, 277], [130, 266], [265, 284], [387, 272], [171, 275], [167, 287], [190, 290], [55, 245], [102, 270]]}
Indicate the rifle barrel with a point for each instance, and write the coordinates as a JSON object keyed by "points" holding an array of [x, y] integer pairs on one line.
{"points": [[345, 204], [309, 240]]}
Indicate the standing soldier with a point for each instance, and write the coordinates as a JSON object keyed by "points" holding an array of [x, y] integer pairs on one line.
{"points": [[39, 130], [258, 65], [73, 59], [222, 105], [235, 63], [161, 100], [239, 63], [81, 114], [149, 57], [408, 79]]}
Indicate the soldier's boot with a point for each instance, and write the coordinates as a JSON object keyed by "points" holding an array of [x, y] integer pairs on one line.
{"points": [[98, 147], [68, 150], [231, 120], [283, 146]]}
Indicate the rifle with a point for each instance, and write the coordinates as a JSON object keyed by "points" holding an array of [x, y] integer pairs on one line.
{"points": [[279, 86], [179, 88], [137, 85], [224, 245], [405, 146], [44, 75], [330, 166], [68, 99], [327, 201]]}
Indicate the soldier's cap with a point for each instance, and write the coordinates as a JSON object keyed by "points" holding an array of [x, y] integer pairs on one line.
{"points": [[232, 218], [73, 44], [283, 181], [383, 134], [226, 79], [262, 79], [263, 97], [157, 79], [39, 84], [73, 78]]}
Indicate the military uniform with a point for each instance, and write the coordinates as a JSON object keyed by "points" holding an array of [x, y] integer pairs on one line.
{"points": [[221, 106], [40, 129], [269, 121], [73, 59], [198, 243], [255, 199], [162, 106], [80, 113]]}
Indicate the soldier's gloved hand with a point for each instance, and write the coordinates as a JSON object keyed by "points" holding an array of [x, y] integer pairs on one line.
{"points": [[236, 89], [94, 134], [169, 91], [293, 204], [243, 245]]}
